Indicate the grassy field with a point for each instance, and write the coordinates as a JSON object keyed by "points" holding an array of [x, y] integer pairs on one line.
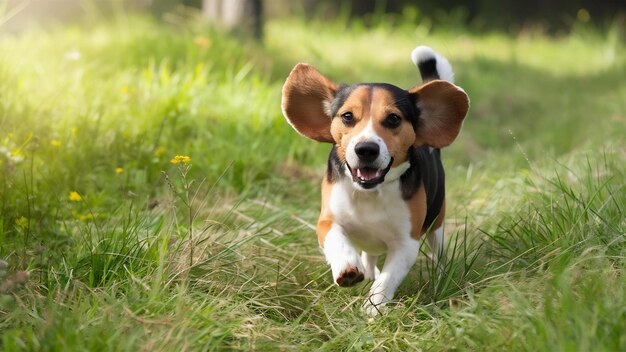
{"points": [[111, 243]]}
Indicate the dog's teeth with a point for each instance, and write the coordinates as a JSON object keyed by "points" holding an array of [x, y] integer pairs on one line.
{"points": [[367, 174]]}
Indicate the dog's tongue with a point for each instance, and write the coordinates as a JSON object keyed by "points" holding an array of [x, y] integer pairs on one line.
{"points": [[368, 173]]}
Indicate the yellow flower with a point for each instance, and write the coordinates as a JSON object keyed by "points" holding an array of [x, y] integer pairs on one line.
{"points": [[75, 197], [21, 222], [199, 68], [85, 217], [202, 42], [55, 143], [160, 151], [583, 15], [180, 159], [119, 170]]}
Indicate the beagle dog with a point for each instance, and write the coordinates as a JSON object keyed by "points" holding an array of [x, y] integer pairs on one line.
{"points": [[384, 184]]}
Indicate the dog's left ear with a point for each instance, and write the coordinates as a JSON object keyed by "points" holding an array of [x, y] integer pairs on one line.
{"points": [[442, 106], [306, 96]]}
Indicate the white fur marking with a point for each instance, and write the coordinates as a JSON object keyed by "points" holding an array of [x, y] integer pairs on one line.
{"points": [[436, 243], [327, 107], [340, 252], [369, 262], [395, 172], [374, 222], [401, 257], [371, 220], [368, 135]]}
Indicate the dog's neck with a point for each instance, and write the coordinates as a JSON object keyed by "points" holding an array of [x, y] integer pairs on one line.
{"points": [[397, 171]]}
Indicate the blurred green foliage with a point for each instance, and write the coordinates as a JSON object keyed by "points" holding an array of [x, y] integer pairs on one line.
{"points": [[509, 15]]}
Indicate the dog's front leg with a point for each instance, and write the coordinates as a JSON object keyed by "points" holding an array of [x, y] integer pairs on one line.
{"points": [[369, 262], [400, 258], [343, 258]]}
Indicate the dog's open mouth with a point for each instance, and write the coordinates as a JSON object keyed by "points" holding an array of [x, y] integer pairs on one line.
{"points": [[369, 177]]}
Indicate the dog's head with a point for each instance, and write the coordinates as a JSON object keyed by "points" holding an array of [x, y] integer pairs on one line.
{"points": [[373, 125]]}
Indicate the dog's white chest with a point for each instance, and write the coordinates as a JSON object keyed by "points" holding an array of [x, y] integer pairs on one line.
{"points": [[372, 220]]}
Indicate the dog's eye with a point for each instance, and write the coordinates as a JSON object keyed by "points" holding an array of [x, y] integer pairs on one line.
{"points": [[347, 118], [392, 121]]}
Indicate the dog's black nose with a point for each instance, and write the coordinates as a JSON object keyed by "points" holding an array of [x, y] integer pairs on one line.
{"points": [[367, 151]]}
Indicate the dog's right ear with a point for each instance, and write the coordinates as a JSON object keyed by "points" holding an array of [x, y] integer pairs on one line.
{"points": [[306, 96]]}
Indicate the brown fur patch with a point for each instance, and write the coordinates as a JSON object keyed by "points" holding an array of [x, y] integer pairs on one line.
{"points": [[304, 94], [417, 212], [443, 107], [325, 220], [350, 277]]}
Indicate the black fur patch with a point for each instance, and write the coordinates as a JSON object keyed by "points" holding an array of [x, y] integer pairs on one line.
{"points": [[425, 166], [428, 69], [334, 170], [343, 92]]}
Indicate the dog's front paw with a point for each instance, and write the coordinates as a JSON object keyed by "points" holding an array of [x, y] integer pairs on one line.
{"points": [[374, 305], [349, 277], [347, 268]]}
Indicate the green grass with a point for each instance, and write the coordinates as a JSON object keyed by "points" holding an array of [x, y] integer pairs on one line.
{"points": [[220, 253]]}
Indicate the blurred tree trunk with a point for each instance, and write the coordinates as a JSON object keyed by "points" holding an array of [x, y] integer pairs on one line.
{"points": [[240, 15]]}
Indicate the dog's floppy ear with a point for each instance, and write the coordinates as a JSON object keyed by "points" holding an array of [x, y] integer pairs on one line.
{"points": [[306, 95], [442, 107]]}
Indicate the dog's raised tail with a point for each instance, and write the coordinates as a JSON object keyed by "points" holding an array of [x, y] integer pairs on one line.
{"points": [[431, 64]]}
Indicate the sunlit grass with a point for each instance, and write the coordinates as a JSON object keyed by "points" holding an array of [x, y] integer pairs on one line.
{"points": [[126, 252]]}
